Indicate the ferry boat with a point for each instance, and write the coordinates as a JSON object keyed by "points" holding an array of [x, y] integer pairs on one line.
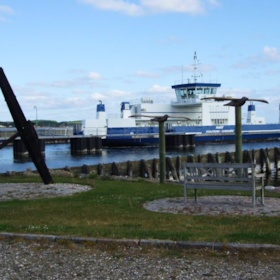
{"points": [[209, 121]]}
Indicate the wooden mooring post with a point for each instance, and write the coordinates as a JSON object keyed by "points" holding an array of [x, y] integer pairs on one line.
{"points": [[129, 169], [276, 157], [150, 168], [155, 168], [171, 168], [264, 161], [145, 169]]}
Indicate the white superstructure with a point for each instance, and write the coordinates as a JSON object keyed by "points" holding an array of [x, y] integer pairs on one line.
{"points": [[188, 103]]}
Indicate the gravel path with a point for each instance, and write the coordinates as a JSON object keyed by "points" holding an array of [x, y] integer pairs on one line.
{"points": [[216, 205], [46, 260], [22, 260], [10, 191]]}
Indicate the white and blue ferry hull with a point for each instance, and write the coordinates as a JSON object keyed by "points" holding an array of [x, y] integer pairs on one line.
{"points": [[137, 136]]}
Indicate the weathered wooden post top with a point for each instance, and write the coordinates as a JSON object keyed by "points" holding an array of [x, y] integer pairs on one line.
{"points": [[237, 103], [162, 161], [25, 129]]}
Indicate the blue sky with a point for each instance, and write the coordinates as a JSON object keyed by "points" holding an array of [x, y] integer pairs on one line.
{"points": [[63, 56]]}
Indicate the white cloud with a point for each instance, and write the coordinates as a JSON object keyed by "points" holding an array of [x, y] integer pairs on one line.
{"points": [[241, 66], [56, 84], [26, 90], [145, 7], [98, 96], [268, 55], [252, 75], [214, 3], [146, 74], [271, 54], [118, 93], [87, 80], [6, 9], [109, 95], [75, 101], [117, 6], [272, 96], [178, 6], [79, 91], [129, 82], [237, 92], [35, 98], [272, 72], [94, 76], [159, 89]]}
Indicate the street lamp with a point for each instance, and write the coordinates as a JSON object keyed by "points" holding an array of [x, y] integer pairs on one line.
{"points": [[35, 107]]}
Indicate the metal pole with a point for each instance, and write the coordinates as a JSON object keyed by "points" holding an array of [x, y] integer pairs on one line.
{"points": [[162, 163], [238, 135], [26, 128], [35, 107]]}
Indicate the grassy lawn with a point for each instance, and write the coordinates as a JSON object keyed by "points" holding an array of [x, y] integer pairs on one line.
{"points": [[113, 209]]}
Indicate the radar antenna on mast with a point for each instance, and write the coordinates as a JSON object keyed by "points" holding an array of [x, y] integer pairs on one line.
{"points": [[195, 67]]}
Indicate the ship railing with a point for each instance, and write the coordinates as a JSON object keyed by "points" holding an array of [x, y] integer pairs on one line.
{"points": [[54, 131], [190, 81], [94, 131], [6, 133]]}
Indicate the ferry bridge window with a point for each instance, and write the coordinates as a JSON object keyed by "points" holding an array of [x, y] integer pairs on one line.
{"points": [[177, 92], [213, 90], [183, 93], [199, 90], [206, 90], [191, 91]]}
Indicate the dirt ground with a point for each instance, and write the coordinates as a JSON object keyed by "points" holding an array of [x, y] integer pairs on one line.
{"points": [[11, 191]]}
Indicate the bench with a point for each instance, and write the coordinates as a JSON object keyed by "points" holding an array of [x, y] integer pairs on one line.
{"points": [[222, 176]]}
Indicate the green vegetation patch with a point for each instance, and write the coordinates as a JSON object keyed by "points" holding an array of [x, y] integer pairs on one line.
{"points": [[114, 209]]}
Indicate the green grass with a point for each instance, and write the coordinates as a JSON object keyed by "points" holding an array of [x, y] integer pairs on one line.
{"points": [[113, 209]]}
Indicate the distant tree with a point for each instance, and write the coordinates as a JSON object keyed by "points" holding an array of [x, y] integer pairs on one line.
{"points": [[51, 123], [48, 123], [7, 124]]}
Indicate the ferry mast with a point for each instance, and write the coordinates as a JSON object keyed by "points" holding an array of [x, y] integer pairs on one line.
{"points": [[195, 67]]}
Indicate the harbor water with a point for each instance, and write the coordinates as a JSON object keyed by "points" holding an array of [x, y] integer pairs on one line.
{"points": [[59, 155]]}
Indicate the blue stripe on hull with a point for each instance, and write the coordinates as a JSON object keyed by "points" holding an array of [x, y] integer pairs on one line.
{"points": [[117, 141], [220, 133]]}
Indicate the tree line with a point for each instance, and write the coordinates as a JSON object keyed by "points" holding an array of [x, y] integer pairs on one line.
{"points": [[47, 123]]}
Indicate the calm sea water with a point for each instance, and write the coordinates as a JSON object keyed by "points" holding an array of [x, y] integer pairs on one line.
{"points": [[59, 156]]}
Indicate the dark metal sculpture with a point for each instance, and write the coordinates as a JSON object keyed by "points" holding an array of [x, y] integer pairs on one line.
{"points": [[159, 118], [162, 161], [237, 103], [25, 129]]}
